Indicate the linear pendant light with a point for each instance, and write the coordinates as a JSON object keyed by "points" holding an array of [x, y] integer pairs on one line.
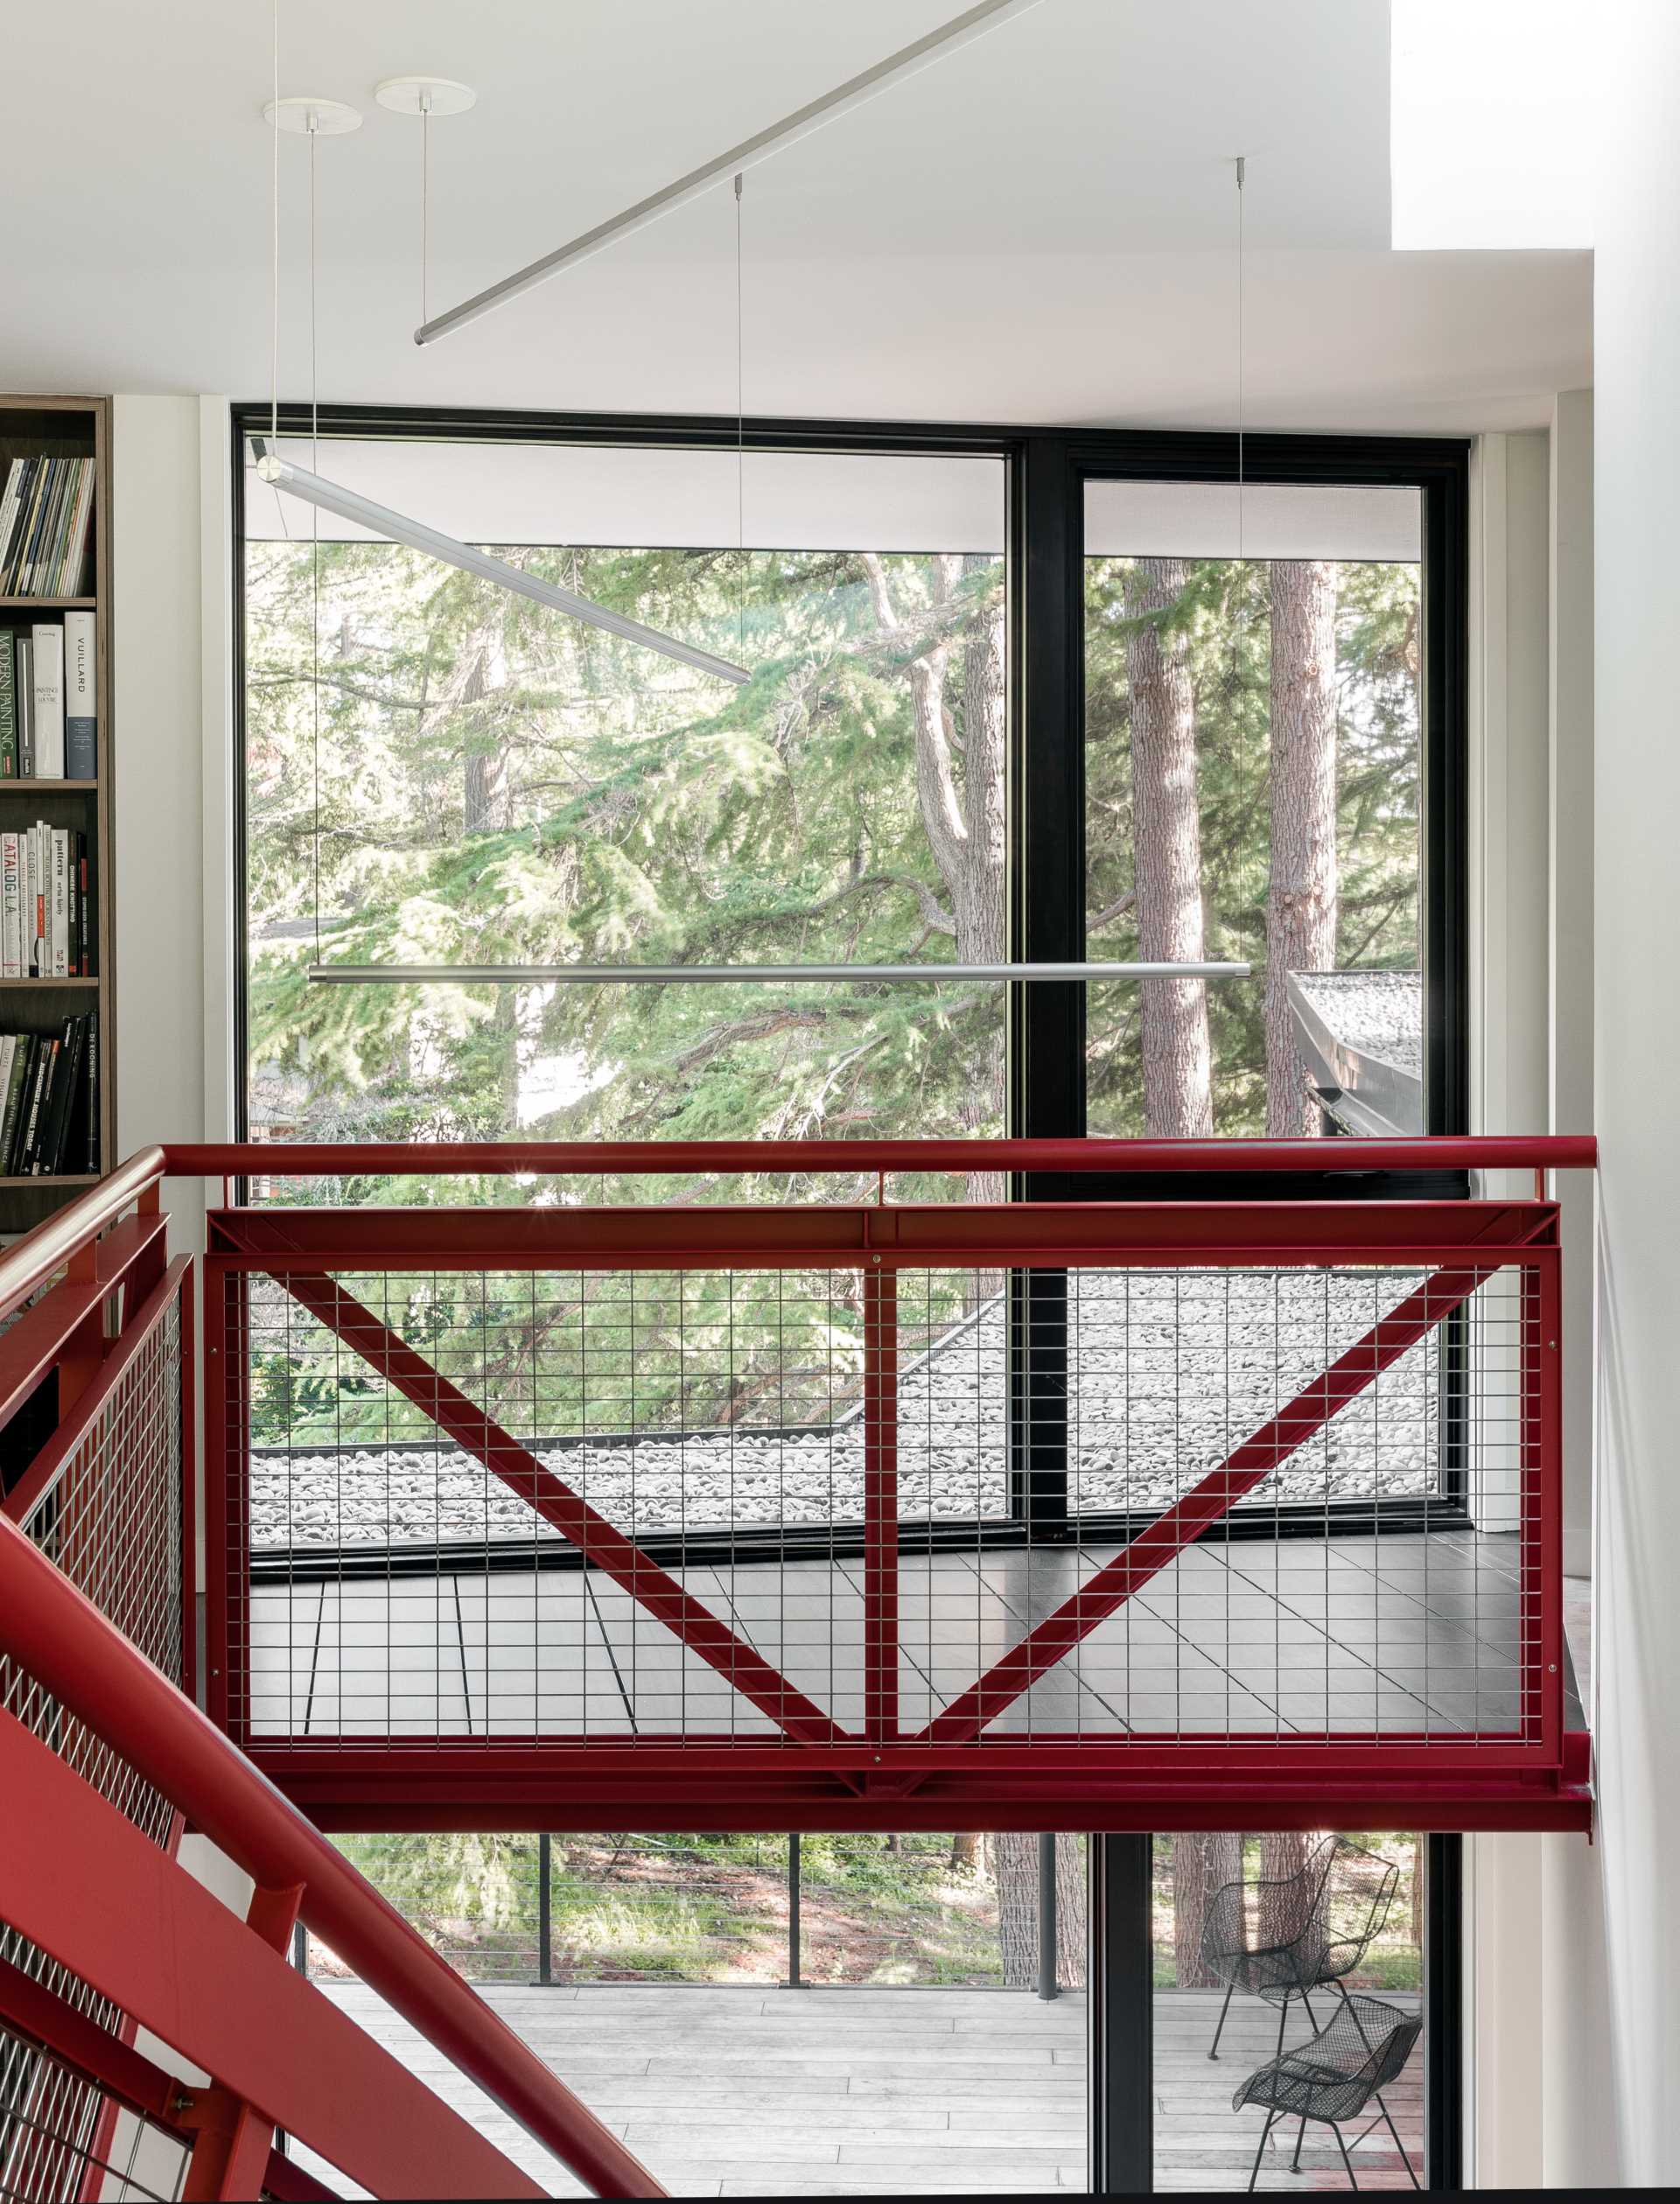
{"points": [[974, 23], [349, 504], [773, 975]]}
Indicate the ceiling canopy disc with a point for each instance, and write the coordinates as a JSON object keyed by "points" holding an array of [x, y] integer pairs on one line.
{"points": [[425, 95], [304, 117]]}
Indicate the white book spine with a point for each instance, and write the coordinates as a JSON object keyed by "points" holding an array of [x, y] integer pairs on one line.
{"points": [[60, 955], [38, 901], [26, 899], [80, 695], [47, 673], [11, 931]]}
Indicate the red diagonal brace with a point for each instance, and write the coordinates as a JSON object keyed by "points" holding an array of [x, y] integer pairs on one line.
{"points": [[602, 1543], [1184, 1522]]}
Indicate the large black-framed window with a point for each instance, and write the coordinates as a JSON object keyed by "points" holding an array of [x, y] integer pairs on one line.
{"points": [[1048, 473]]}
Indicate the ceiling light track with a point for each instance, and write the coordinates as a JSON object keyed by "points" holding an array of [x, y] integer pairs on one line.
{"points": [[974, 23], [381, 520]]}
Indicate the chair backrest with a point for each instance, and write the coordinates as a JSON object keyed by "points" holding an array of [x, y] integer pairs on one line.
{"points": [[1359, 1888]]}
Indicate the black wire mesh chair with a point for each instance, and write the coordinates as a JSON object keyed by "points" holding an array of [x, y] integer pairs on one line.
{"points": [[1317, 1922], [1335, 2077]]}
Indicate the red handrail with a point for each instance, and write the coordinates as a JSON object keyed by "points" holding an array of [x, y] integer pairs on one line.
{"points": [[293, 1158], [85, 1662], [34, 1258]]}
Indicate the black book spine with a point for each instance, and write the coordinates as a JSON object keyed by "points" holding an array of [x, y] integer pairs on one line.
{"points": [[90, 1089], [66, 1082], [29, 1158], [53, 1103], [18, 1103]]}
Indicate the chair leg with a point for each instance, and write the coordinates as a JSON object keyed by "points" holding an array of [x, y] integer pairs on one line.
{"points": [[1405, 2159], [1312, 2016], [1254, 2172], [1223, 2010], [1300, 2137], [1346, 2160], [1282, 2021]]}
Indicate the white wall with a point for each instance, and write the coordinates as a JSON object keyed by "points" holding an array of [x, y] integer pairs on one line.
{"points": [[1537, 2000], [1637, 983], [157, 778], [1510, 904]]}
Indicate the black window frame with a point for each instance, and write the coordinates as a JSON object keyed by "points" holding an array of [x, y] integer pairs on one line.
{"points": [[1046, 470]]}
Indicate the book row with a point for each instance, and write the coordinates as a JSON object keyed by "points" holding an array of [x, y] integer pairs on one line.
{"points": [[49, 714], [49, 1118], [46, 903], [46, 510]]}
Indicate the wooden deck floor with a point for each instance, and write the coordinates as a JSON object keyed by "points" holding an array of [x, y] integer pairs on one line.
{"points": [[728, 2092]]}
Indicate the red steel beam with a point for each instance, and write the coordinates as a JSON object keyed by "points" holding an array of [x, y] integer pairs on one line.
{"points": [[601, 1543], [77, 1655], [934, 1235], [1217, 1492], [1403, 1794]]}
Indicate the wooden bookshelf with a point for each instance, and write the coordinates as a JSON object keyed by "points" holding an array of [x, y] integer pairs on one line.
{"points": [[80, 425]]}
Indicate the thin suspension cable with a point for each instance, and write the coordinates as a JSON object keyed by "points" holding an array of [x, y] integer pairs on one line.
{"points": [[1240, 645], [740, 444], [274, 257], [315, 544], [425, 192]]}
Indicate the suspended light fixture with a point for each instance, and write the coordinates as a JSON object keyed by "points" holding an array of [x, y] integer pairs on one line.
{"points": [[430, 98], [761, 975], [379, 520], [973, 23]]}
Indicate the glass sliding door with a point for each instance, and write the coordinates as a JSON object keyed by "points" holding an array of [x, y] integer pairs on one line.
{"points": [[1253, 762], [1291, 2010]]}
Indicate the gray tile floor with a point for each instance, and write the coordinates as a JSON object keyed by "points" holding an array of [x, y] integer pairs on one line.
{"points": [[1399, 1634], [742, 2092]]}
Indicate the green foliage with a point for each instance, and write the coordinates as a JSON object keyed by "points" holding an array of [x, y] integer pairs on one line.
{"points": [[471, 778], [694, 1908]]}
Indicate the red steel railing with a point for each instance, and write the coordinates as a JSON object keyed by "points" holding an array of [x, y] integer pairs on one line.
{"points": [[800, 1669], [103, 1757], [758, 1694]]}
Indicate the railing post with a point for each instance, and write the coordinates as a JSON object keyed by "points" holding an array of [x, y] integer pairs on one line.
{"points": [[235, 2141], [544, 1922], [796, 1979], [880, 1501], [1047, 1986]]}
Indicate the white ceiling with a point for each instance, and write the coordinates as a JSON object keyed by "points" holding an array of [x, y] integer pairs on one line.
{"points": [[1039, 228]]}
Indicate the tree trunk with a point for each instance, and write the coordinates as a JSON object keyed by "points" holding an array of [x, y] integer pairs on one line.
{"points": [[1177, 1066], [1201, 1864], [1015, 1857], [1282, 1914], [965, 1853], [1301, 896]]}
